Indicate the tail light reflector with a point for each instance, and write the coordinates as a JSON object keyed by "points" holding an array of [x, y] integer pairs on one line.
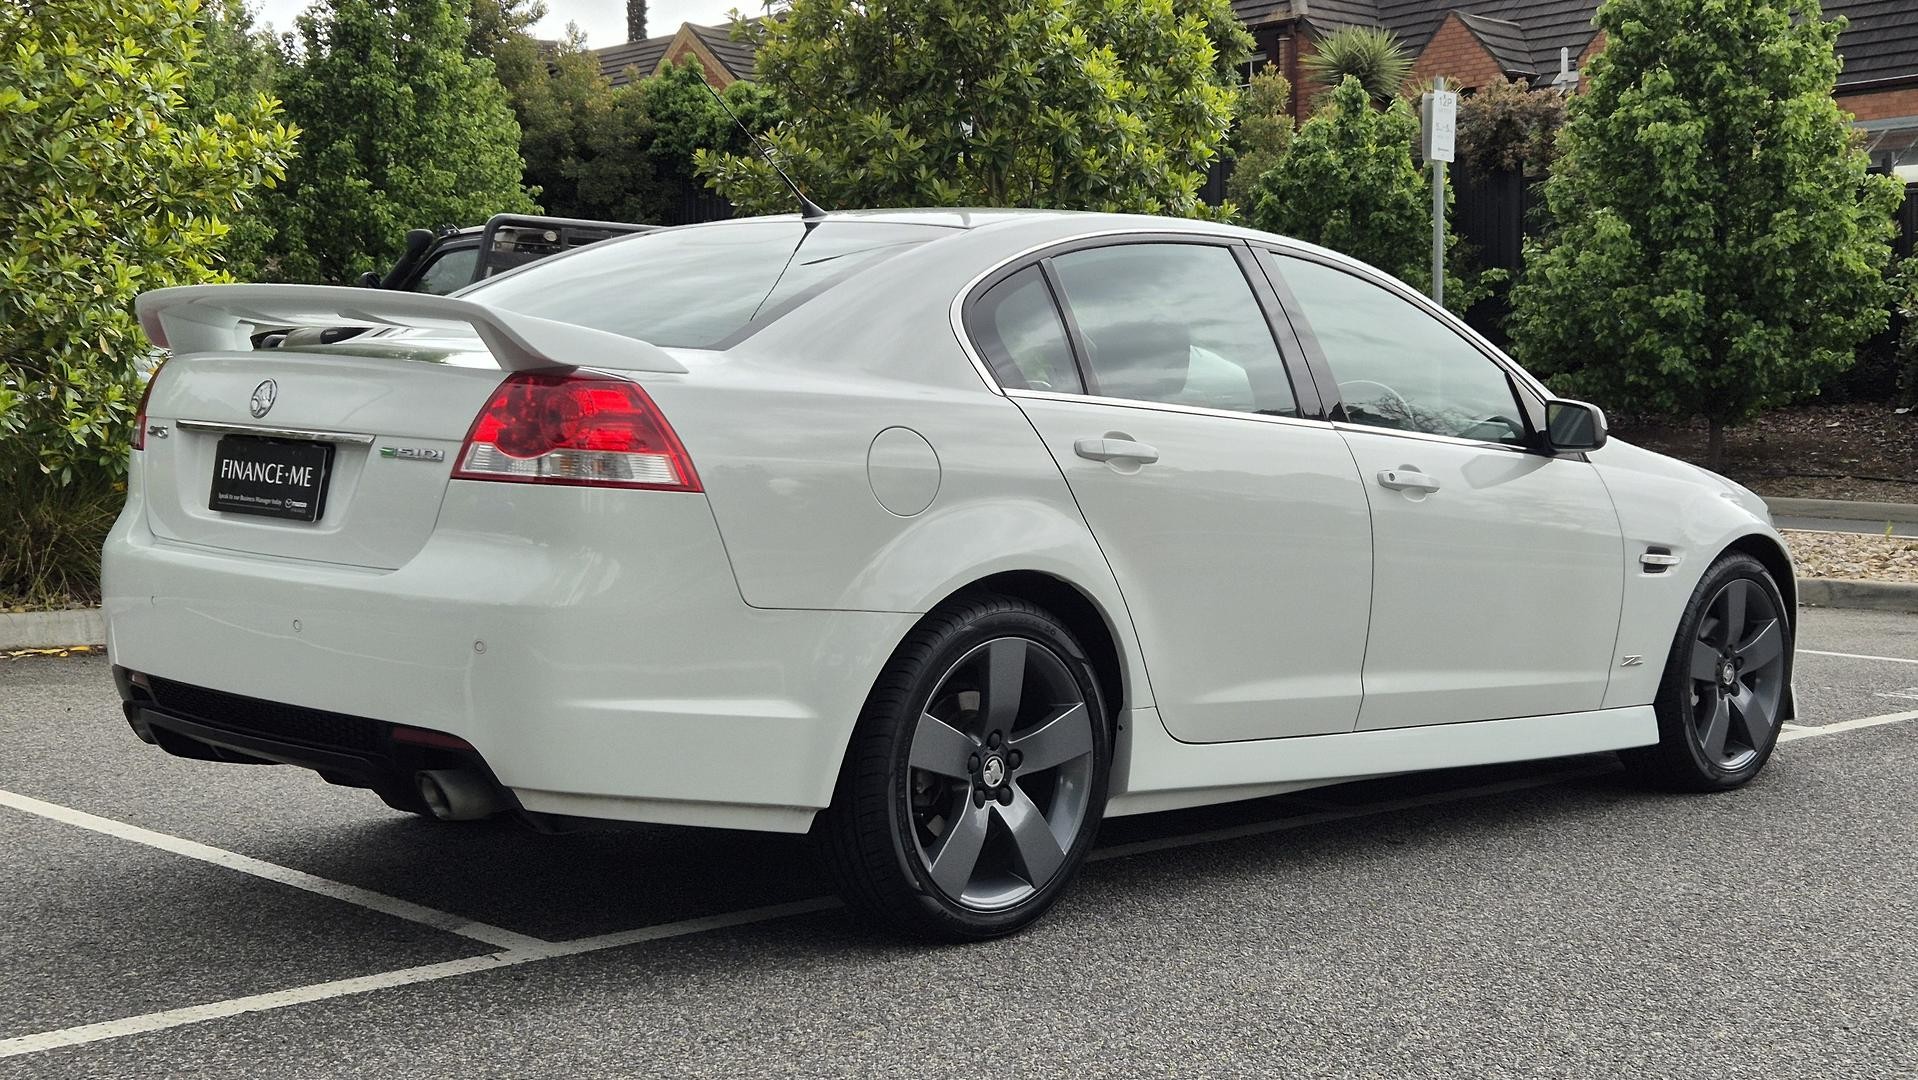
{"points": [[140, 415], [592, 430]]}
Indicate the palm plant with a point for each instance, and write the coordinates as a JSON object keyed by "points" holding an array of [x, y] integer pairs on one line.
{"points": [[1370, 54]]}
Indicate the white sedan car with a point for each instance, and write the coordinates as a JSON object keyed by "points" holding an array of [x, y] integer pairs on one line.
{"points": [[941, 534]]}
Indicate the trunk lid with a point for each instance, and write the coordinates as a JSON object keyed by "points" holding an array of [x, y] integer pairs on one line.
{"points": [[393, 410]]}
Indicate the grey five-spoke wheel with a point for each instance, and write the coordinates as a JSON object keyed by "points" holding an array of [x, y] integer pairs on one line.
{"points": [[1737, 674], [1001, 759], [1724, 689], [976, 778]]}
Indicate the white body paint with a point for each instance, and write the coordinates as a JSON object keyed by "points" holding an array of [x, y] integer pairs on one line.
{"points": [[700, 658]]}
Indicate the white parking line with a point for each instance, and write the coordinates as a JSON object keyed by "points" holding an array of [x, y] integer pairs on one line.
{"points": [[1846, 725], [531, 950], [1860, 656], [352, 894], [302, 995]]}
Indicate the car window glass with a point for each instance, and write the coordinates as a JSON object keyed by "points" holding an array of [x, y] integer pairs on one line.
{"points": [[451, 270], [1017, 328], [702, 286], [1397, 366], [1176, 323]]}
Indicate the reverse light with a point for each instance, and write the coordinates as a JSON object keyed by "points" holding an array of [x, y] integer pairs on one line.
{"points": [[140, 415], [593, 430]]}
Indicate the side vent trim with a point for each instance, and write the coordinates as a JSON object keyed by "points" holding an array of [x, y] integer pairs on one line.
{"points": [[1657, 560]]}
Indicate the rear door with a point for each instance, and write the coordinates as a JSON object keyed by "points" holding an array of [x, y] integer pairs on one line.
{"points": [[1497, 567], [1231, 514]]}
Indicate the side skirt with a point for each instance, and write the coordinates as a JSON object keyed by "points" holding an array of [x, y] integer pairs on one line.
{"points": [[1157, 772]]}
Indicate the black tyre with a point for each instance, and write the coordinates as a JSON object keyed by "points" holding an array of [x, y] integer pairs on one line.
{"points": [[1723, 695], [976, 777]]}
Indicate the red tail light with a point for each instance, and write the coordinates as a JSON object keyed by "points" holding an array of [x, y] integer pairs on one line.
{"points": [[140, 416], [575, 429]]}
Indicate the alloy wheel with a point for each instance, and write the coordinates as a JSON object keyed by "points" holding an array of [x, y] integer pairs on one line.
{"points": [[1000, 773], [1737, 668]]}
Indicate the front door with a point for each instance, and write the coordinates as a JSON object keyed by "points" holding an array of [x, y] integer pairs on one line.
{"points": [[1497, 568], [1237, 529]]}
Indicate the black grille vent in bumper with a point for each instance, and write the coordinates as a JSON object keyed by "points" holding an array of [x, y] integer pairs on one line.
{"points": [[269, 719]]}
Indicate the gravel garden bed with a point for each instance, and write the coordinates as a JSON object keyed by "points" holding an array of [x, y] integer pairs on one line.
{"points": [[1854, 556]]}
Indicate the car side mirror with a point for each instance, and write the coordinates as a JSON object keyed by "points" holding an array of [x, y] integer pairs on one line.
{"points": [[1574, 426], [369, 280]]}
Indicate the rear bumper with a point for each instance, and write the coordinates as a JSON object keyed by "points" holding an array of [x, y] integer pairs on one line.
{"points": [[590, 646]]}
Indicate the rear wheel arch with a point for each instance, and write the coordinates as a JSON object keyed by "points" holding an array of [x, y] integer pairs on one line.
{"points": [[1080, 613]]}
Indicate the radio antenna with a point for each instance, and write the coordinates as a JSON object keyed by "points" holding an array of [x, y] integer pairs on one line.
{"points": [[808, 210]]}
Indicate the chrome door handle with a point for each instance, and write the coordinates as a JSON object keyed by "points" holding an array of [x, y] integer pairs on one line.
{"points": [[1115, 450], [1406, 480]]}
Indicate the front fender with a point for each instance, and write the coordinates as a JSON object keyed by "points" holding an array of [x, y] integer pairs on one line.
{"points": [[1693, 515]]}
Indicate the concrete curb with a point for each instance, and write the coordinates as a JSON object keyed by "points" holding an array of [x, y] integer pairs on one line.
{"points": [[52, 629], [1843, 510], [1868, 595]]}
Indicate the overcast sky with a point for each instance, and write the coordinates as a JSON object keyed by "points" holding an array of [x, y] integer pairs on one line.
{"points": [[603, 20]]}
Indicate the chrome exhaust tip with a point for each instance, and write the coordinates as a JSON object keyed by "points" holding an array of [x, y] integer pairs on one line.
{"points": [[459, 794]]}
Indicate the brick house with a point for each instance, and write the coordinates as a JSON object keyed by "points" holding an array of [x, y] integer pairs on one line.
{"points": [[1546, 43]]}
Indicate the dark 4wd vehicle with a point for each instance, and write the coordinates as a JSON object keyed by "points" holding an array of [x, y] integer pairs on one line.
{"points": [[449, 259]]}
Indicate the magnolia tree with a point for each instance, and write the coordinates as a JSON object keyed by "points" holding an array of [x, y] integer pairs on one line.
{"points": [[109, 188], [1078, 104], [1719, 246]]}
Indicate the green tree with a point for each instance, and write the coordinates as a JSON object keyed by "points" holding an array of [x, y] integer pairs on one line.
{"points": [[1082, 104], [108, 187], [237, 63], [1262, 134], [491, 24], [1350, 182], [1719, 246], [1373, 56], [645, 165], [564, 107], [402, 131]]}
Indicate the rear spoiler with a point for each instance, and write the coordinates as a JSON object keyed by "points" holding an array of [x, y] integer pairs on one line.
{"points": [[222, 318]]}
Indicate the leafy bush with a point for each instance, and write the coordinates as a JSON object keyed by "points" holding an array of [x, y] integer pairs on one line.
{"points": [[106, 190], [1907, 284], [1074, 104], [1719, 246], [1507, 127]]}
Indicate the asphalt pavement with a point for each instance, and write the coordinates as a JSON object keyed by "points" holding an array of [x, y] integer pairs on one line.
{"points": [[162, 917]]}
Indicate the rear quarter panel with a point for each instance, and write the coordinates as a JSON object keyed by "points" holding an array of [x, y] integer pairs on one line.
{"points": [[781, 429]]}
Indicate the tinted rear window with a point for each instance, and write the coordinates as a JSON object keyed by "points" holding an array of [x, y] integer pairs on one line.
{"points": [[703, 287]]}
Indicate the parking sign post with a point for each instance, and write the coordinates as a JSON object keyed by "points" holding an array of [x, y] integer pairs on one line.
{"points": [[1438, 116]]}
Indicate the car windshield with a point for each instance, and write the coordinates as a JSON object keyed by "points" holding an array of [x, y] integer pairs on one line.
{"points": [[703, 287]]}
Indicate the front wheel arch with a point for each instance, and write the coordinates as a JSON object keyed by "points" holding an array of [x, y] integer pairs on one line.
{"points": [[1775, 559]]}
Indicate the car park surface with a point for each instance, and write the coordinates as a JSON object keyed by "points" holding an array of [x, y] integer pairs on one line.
{"points": [[1548, 918]]}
